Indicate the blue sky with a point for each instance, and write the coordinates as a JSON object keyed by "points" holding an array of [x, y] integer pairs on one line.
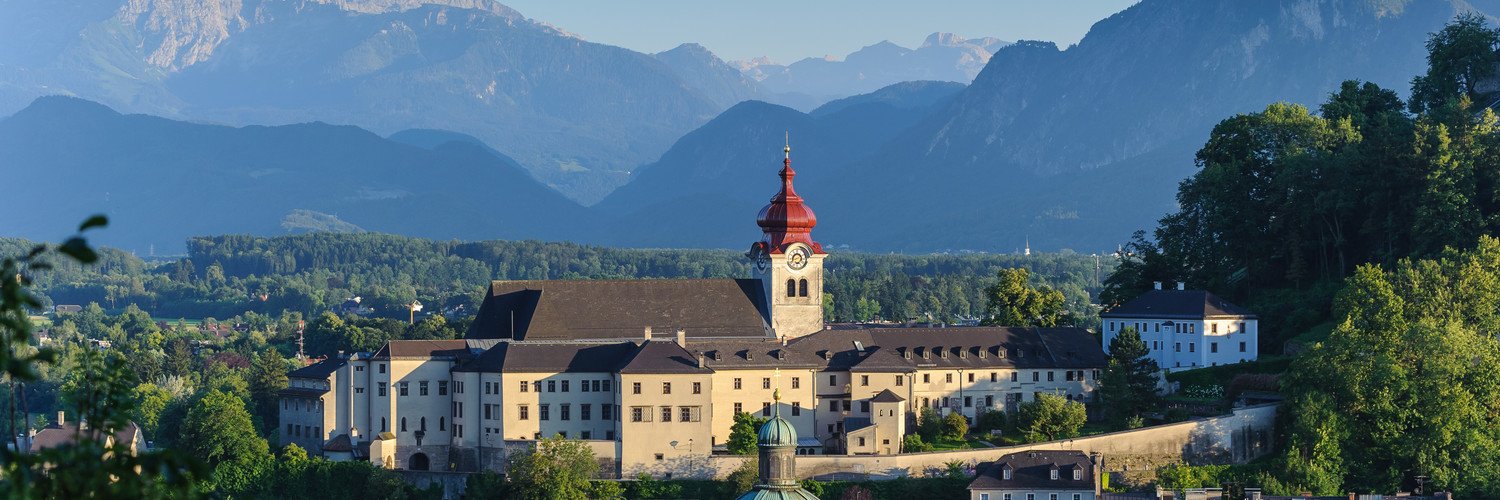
{"points": [[789, 30]]}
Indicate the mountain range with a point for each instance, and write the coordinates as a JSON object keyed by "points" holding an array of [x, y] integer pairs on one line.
{"points": [[1071, 148]]}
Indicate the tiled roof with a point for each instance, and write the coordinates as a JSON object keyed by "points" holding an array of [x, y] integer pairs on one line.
{"points": [[621, 309], [908, 349], [551, 357], [457, 349], [67, 433], [767, 353], [662, 357], [302, 392], [886, 396], [320, 370], [1032, 470], [1177, 304]]}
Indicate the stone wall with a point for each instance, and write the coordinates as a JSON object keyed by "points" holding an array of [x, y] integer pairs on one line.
{"points": [[1245, 434]]}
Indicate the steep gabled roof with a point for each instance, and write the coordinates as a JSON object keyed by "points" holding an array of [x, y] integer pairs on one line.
{"points": [[320, 370], [1032, 470], [886, 396], [456, 349], [621, 309], [662, 357], [1178, 304]]}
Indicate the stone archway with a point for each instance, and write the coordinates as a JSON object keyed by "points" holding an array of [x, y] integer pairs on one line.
{"points": [[418, 461]]}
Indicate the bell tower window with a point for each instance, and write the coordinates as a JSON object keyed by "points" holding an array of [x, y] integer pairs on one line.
{"points": [[791, 287], [802, 288]]}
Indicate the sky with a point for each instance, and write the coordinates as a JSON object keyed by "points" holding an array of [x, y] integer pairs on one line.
{"points": [[789, 30]]}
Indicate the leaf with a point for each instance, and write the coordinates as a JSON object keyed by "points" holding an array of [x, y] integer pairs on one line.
{"points": [[78, 249], [97, 220]]}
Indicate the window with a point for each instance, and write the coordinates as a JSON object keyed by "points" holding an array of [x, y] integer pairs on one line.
{"points": [[1077, 496], [610, 435], [1213, 347], [1036, 376], [403, 424], [1242, 347], [796, 382], [697, 387], [565, 386], [525, 386], [381, 389], [737, 383], [567, 411], [1051, 376], [1005, 473], [659, 457], [833, 380], [597, 386], [525, 412], [864, 380], [382, 367], [688, 414], [796, 408], [359, 390], [948, 378], [1014, 376], [584, 411], [551, 386], [1052, 496], [536, 386], [791, 287], [606, 412], [584, 387], [984, 496], [1077, 474], [833, 405], [544, 412], [802, 288], [765, 383], [1192, 347], [666, 414], [422, 388], [989, 400], [635, 388], [666, 387], [926, 378], [382, 424], [1054, 474], [971, 377], [607, 386], [968, 401], [765, 409], [994, 377], [587, 435], [442, 387], [1213, 328], [403, 391], [1177, 347], [359, 368], [422, 425], [1069, 376], [861, 441], [900, 380]]}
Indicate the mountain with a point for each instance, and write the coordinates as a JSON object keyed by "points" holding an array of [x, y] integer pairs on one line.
{"points": [[726, 170], [942, 57], [161, 181], [577, 115]]}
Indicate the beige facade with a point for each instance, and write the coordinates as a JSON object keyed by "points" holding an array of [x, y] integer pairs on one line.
{"points": [[752, 391], [793, 283], [665, 421]]}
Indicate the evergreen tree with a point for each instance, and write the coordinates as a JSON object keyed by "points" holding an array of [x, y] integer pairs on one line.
{"points": [[1128, 386]]}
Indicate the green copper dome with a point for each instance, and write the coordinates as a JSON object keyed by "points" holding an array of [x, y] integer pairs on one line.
{"points": [[759, 494], [777, 432]]}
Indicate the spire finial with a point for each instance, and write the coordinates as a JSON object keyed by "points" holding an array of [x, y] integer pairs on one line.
{"points": [[776, 395], [788, 148]]}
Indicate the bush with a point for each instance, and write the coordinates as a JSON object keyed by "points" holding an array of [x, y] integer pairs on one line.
{"points": [[955, 426], [1243, 382], [990, 421], [913, 443]]}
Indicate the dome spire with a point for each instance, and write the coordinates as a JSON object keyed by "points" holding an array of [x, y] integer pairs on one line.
{"points": [[786, 219]]}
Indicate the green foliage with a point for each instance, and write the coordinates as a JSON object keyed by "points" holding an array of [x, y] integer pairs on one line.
{"points": [[913, 443], [955, 426], [556, 468], [1183, 476], [990, 421], [929, 425], [1049, 417], [1014, 301], [1128, 386], [743, 434], [267, 377], [743, 478], [218, 430], [1459, 58]]}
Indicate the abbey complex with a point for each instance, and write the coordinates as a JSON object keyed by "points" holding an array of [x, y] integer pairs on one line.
{"points": [[650, 373]]}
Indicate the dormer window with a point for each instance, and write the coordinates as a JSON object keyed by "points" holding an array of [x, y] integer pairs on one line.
{"points": [[1005, 472], [1054, 473], [1077, 474]]}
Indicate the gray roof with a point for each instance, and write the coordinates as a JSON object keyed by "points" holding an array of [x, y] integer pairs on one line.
{"points": [[1177, 304], [453, 349], [662, 357], [763, 353], [886, 396], [621, 309], [320, 370], [1031, 470], [551, 357], [908, 349]]}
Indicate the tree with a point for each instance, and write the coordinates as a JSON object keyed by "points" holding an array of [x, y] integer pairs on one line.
{"points": [[267, 378], [1050, 417], [218, 431], [929, 426], [153, 400], [1013, 301], [990, 420], [555, 469], [1128, 387], [955, 426], [1459, 57], [743, 434]]}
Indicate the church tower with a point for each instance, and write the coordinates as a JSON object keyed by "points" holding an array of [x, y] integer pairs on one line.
{"points": [[788, 263]]}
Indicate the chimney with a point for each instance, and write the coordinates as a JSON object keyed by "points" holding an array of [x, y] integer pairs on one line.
{"points": [[681, 338], [60, 419], [1097, 469], [648, 331], [783, 341], [701, 362], [1156, 284], [1181, 285]]}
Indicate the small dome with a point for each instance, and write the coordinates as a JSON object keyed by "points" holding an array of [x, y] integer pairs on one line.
{"points": [[760, 494], [777, 432]]}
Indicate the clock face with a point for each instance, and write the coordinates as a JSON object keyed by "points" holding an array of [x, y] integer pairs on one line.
{"points": [[798, 258]]}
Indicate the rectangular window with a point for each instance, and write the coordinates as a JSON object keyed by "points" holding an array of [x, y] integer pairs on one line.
{"points": [[971, 377], [487, 414], [1192, 347], [687, 414], [968, 401], [697, 387], [666, 387], [739, 408], [1013, 376], [1242, 347], [864, 380], [382, 367], [606, 411], [543, 413], [948, 378], [737, 382], [994, 377], [765, 409], [565, 386], [566, 413], [635, 388], [584, 411], [607, 387], [638, 414], [403, 390], [359, 390], [381, 389], [796, 409], [833, 405], [1213, 328], [597, 386], [525, 386], [926, 378], [1069, 376], [584, 386], [765, 383], [666, 414], [551, 386], [422, 388], [358, 368], [536, 386], [900, 380], [796, 382], [525, 412], [1213, 347], [1036, 376], [1177, 347], [442, 387], [587, 435], [1051, 376]]}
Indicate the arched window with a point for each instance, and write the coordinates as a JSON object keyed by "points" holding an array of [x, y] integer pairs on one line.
{"points": [[422, 425], [403, 424], [382, 424], [441, 426], [791, 287], [802, 288]]}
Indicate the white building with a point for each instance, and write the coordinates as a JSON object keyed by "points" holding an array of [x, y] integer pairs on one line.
{"points": [[1038, 475], [1186, 328]]}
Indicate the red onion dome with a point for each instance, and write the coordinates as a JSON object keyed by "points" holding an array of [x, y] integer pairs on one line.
{"points": [[786, 219]]}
